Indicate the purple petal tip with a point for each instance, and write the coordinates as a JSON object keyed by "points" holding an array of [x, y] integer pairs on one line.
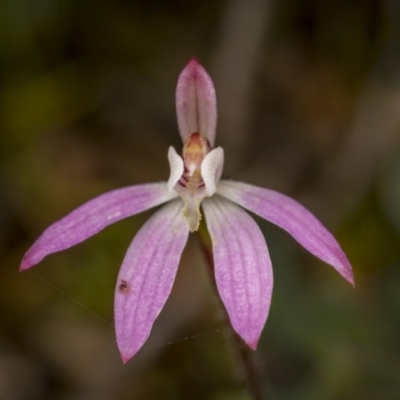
{"points": [[350, 279], [253, 345], [125, 358], [344, 268], [25, 264], [193, 67], [193, 61]]}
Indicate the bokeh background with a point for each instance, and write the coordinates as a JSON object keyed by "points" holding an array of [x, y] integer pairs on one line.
{"points": [[309, 104]]}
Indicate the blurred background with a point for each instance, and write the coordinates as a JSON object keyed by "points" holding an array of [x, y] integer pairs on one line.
{"points": [[309, 104]]}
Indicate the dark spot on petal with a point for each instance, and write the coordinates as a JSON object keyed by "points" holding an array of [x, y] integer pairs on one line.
{"points": [[123, 286]]}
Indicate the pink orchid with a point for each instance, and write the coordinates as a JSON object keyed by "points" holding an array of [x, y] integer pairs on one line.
{"points": [[243, 269]]}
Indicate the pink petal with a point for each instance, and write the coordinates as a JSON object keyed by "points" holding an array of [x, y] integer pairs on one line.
{"points": [[293, 218], [93, 216], [196, 104], [243, 269], [146, 276]]}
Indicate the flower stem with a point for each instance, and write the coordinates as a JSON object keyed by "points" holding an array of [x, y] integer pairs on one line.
{"points": [[247, 368]]}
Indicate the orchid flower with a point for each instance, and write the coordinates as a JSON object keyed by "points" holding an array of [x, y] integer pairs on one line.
{"points": [[243, 270]]}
